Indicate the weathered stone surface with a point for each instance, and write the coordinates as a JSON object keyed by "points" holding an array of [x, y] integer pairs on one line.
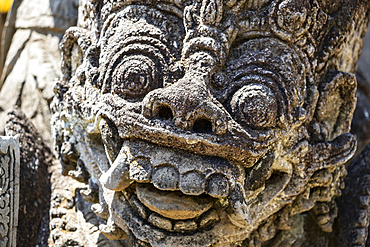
{"points": [[250, 99], [30, 84], [9, 190], [35, 158], [6, 37]]}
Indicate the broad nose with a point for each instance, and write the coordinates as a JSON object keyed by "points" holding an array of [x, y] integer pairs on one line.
{"points": [[189, 105]]}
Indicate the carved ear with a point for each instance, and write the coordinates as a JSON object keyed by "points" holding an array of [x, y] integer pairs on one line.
{"points": [[73, 46], [336, 104], [323, 155]]}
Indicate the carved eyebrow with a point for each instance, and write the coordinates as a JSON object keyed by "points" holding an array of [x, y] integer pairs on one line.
{"points": [[240, 70], [268, 56], [145, 41], [131, 46], [144, 30], [268, 70]]}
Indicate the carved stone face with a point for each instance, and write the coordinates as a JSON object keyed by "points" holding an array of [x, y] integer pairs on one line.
{"points": [[207, 123]]}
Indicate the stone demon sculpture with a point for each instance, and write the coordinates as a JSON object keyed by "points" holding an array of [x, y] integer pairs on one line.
{"points": [[209, 122]]}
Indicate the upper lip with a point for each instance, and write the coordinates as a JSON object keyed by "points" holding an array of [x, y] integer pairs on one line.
{"points": [[237, 144], [143, 162]]}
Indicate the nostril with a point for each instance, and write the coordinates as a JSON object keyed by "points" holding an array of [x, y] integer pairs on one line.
{"points": [[164, 112], [202, 125]]}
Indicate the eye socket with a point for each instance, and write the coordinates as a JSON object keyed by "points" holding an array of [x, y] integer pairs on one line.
{"points": [[255, 105], [135, 76]]}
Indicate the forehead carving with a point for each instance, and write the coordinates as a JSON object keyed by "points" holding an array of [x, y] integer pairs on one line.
{"points": [[138, 51], [211, 122]]}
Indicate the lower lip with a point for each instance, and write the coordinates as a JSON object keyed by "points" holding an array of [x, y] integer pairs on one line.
{"points": [[173, 204]]}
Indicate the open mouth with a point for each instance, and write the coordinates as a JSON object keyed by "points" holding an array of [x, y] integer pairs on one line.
{"points": [[168, 193], [172, 191]]}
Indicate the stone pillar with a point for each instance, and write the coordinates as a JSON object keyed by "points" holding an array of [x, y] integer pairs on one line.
{"points": [[9, 190]]}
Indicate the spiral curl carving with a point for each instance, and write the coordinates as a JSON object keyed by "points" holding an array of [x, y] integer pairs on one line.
{"points": [[290, 19], [255, 105], [272, 68], [137, 68]]}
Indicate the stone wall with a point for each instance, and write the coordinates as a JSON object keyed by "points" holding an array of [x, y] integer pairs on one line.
{"points": [[32, 61]]}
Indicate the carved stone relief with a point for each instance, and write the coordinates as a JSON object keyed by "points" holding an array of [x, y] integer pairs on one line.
{"points": [[209, 123], [9, 190]]}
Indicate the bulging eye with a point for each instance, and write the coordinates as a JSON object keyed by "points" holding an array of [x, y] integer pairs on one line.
{"points": [[255, 105], [135, 76]]}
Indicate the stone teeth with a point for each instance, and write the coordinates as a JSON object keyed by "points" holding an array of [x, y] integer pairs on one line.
{"points": [[117, 177], [166, 178], [192, 183], [161, 222], [238, 210], [140, 170], [100, 210], [209, 218], [217, 186], [183, 226], [138, 207]]}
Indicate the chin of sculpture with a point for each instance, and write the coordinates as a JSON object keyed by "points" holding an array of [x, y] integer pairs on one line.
{"points": [[199, 123]]}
